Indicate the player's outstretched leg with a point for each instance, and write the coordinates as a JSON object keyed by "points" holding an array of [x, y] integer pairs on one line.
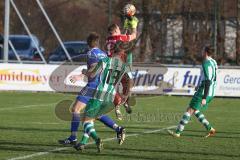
{"points": [[201, 118], [72, 139], [121, 135], [126, 104], [117, 102], [111, 124], [89, 129], [92, 133], [81, 146], [185, 119], [127, 107], [118, 113]]}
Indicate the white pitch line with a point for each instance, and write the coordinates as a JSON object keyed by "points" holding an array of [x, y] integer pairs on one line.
{"points": [[36, 105], [28, 106], [105, 140], [42, 123]]}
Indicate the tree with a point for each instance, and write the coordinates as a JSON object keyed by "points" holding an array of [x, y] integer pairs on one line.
{"points": [[1, 15], [145, 30]]}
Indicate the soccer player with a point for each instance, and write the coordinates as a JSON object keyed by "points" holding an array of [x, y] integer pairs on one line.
{"points": [[111, 71], [114, 37], [93, 57], [130, 28], [130, 25], [203, 96]]}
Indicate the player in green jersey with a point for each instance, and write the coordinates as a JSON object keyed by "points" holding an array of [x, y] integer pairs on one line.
{"points": [[111, 71], [203, 96]]}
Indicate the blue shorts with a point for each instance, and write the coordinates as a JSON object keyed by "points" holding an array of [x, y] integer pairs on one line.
{"points": [[87, 93]]}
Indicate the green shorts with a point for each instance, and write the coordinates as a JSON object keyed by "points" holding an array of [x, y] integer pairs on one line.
{"points": [[96, 108], [197, 101]]}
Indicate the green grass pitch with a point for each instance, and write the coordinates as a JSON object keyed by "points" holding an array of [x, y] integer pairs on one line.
{"points": [[29, 129]]}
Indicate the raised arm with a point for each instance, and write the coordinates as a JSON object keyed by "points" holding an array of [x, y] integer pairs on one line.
{"points": [[130, 27]]}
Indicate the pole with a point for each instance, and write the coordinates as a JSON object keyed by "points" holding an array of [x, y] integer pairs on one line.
{"points": [[6, 30], [54, 30], [28, 31]]}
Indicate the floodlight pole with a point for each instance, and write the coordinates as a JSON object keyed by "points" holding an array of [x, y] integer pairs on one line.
{"points": [[6, 30]]}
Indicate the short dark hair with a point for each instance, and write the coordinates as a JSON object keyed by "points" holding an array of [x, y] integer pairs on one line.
{"points": [[111, 28], [209, 50], [93, 40]]}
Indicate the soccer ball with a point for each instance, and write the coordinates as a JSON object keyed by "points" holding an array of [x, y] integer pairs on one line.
{"points": [[129, 10]]}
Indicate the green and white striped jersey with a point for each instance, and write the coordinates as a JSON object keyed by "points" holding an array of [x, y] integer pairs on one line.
{"points": [[209, 72], [111, 72]]}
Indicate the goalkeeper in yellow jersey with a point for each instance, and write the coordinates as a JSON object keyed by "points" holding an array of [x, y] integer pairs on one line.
{"points": [[130, 28]]}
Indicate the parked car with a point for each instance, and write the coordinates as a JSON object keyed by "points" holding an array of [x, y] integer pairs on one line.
{"points": [[25, 47], [1, 39], [76, 49]]}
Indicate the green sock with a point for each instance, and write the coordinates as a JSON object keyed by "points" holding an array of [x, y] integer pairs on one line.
{"points": [[201, 118], [85, 138], [185, 119], [93, 134], [89, 129]]}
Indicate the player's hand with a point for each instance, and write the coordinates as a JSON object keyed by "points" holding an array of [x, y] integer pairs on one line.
{"points": [[204, 102], [131, 22]]}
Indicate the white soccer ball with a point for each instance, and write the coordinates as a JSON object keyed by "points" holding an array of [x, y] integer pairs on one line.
{"points": [[129, 10]]}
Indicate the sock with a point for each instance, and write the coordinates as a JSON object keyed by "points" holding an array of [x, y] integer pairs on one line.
{"points": [[85, 138], [74, 125], [89, 129], [201, 118], [185, 119], [109, 122]]}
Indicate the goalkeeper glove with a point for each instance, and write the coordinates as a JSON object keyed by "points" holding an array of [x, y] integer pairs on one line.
{"points": [[130, 22]]}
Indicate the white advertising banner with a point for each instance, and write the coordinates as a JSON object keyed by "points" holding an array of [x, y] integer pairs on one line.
{"points": [[228, 83], [147, 80], [26, 77], [183, 81], [38, 77]]}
